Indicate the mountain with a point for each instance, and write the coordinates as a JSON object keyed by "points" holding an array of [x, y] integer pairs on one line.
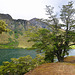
{"points": [[21, 24], [16, 37], [5, 16], [38, 23]]}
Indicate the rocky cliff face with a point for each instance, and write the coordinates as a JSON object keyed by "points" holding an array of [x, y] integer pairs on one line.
{"points": [[38, 23], [5, 16], [20, 24], [14, 24], [18, 28]]}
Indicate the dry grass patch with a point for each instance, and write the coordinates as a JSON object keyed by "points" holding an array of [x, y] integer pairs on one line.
{"points": [[54, 69], [70, 59], [23, 42]]}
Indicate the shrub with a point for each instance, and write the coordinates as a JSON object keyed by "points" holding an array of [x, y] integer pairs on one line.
{"points": [[21, 65]]}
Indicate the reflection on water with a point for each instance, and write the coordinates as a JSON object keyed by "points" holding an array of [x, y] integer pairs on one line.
{"points": [[7, 54]]}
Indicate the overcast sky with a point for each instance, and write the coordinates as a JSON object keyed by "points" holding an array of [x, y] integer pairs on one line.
{"points": [[28, 9]]}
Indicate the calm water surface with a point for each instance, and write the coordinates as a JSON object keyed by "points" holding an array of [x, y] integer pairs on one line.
{"points": [[7, 54], [72, 52]]}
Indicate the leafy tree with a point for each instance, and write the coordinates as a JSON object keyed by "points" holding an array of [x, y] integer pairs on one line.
{"points": [[43, 42], [63, 39], [57, 41], [3, 26], [67, 16]]}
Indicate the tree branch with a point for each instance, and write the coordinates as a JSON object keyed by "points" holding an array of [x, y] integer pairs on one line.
{"points": [[72, 44]]}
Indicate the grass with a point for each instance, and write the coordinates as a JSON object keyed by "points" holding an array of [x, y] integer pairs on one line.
{"points": [[54, 69], [65, 68], [70, 59], [22, 40]]}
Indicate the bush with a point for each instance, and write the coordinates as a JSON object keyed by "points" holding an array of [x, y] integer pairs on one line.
{"points": [[21, 65]]}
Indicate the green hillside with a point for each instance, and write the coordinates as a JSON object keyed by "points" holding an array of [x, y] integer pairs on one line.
{"points": [[13, 41], [16, 37]]}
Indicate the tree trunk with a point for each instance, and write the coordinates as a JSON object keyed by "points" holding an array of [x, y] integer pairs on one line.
{"points": [[60, 59]]}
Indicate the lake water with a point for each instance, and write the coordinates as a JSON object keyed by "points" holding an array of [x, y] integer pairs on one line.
{"points": [[7, 54], [71, 52]]}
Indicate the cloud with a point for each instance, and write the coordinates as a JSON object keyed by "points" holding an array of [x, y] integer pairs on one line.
{"points": [[28, 9]]}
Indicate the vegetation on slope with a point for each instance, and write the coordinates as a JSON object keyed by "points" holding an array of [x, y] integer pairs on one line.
{"points": [[8, 41], [21, 65]]}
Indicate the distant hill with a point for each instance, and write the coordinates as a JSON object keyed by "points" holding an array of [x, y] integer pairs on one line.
{"points": [[16, 37]]}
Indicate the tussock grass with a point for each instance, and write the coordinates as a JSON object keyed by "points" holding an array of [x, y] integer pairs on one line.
{"points": [[65, 68], [54, 69], [70, 59]]}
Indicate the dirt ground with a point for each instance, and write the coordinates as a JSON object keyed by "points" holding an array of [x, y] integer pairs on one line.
{"points": [[65, 68]]}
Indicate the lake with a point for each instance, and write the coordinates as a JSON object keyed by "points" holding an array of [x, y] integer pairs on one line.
{"points": [[71, 52], [7, 54]]}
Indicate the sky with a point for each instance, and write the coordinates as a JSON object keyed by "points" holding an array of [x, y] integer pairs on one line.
{"points": [[28, 9]]}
